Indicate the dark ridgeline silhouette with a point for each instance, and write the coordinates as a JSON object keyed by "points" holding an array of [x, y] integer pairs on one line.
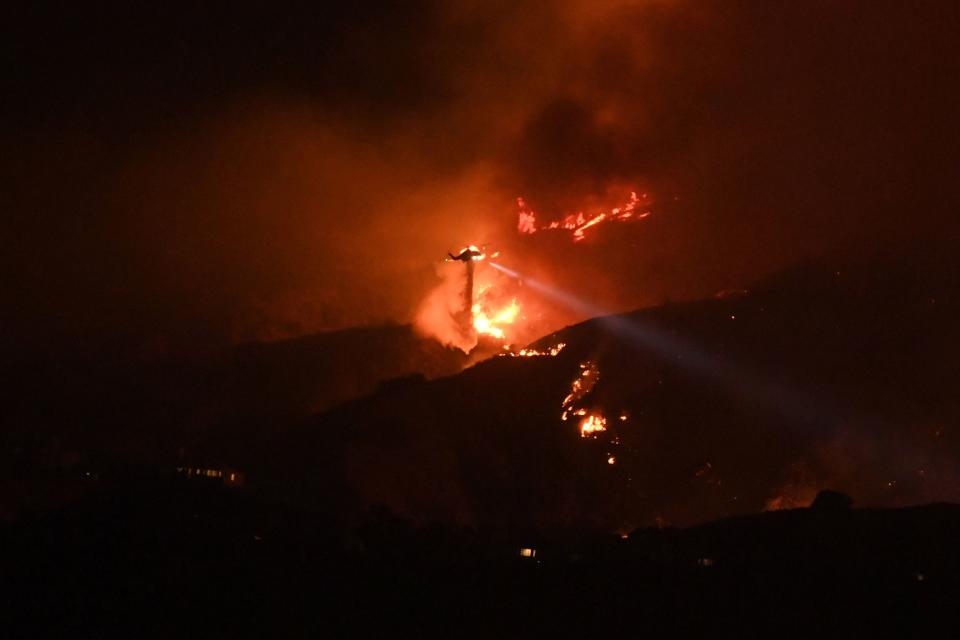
{"points": [[692, 446], [487, 446], [831, 502]]}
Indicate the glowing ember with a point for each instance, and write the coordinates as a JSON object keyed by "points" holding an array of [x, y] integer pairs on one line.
{"points": [[579, 388], [578, 223], [611, 460], [591, 425], [792, 498], [529, 353], [583, 384]]}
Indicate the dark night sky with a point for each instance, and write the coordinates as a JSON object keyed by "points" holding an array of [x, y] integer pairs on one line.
{"points": [[175, 176]]}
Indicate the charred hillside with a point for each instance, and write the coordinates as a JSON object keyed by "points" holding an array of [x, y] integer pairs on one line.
{"points": [[826, 376]]}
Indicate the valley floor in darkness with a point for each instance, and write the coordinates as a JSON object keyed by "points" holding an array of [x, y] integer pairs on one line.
{"points": [[164, 557]]}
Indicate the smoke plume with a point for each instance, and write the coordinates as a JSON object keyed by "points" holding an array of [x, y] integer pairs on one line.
{"points": [[199, 179]]}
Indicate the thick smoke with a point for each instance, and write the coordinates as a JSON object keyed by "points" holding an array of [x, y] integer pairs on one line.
{"points": [[438, 312], [204, 178]]}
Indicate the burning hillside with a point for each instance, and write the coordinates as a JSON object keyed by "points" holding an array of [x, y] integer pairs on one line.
{"points": [[509, 267], [767, 399], [636, 208], [473, 301]]}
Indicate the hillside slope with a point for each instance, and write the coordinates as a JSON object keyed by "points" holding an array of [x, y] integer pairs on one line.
{"points": [[822, 377]]}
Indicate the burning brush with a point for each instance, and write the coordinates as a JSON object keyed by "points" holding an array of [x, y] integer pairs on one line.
{"points": [[475, 317], [467, 305], [580, 388], [636, 208]]}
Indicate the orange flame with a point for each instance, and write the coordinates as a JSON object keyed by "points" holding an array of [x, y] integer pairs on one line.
{"points": [[578, 223], [530, 353], [579, 388], [592, 424], [443, 313], [490, 324]]}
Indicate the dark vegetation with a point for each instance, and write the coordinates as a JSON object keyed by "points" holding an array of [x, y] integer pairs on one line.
{"points": [[151, 410]]}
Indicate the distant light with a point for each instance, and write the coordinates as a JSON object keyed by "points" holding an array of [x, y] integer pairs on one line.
{"points": [[527, 552], [611, 460]]}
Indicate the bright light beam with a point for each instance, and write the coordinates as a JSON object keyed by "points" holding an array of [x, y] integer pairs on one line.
{"points": [[790, 403]]}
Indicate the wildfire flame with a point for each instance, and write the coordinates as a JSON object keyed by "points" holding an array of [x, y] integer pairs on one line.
{"points": [[471, 302], [529, 353], [487, 323], [592, 424], [582, 385], [485, 319], [579, 388], [578, 223], [468, 302]]}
